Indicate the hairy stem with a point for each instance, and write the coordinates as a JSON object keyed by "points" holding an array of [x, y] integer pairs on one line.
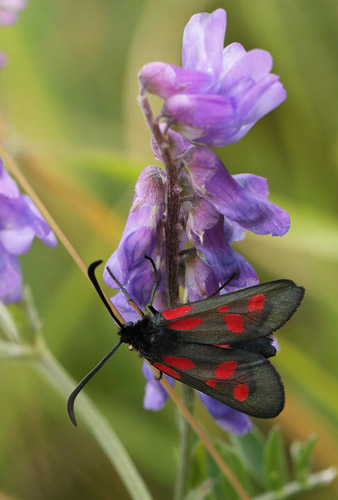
{"points": [[172, 226]]}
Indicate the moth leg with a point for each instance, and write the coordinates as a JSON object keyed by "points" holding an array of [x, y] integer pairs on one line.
{"points": [[153, 310], [152, 296], [223, 286], [158, 377]]}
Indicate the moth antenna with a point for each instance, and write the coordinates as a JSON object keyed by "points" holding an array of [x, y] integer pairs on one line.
{"points": [[224, 285], [152, 296], [125, 293], [92, 277], [80, 386]]}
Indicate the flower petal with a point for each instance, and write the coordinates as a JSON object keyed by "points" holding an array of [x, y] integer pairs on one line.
{"points": [[205, 228], [165, 80], [8, 186], [229, 419], [200, 280], [203, 41], [212, 180], [155, 395], [141, 231]]}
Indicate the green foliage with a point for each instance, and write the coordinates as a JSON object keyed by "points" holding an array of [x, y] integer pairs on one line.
{"points": [[261, 466]]}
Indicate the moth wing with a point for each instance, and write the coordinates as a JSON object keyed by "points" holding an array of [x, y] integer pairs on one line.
{"points": [[235, 317], [243, 380]]}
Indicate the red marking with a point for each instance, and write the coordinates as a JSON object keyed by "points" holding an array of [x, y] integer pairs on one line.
{"points": [[166, 370], [185, 324], [223, 309], [226, 369], [211, 383], [234, 322], [180, 363], [224, 346], [241, 392], [256, 303], [177, 312]]}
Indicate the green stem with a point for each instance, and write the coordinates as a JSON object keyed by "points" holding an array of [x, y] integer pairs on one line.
{"points": [[316, 480], [186, 438], [56, 375]]}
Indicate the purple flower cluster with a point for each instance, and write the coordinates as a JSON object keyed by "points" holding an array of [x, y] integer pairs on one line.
{"points": [[20, 221], [214, 99], [219, 93]]}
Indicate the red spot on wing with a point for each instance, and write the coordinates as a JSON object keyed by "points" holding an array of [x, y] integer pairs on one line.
{"points": [[241, 392], [256, 302], [185, 324], [223, 309], [225, 370], [180, 363], [177, 312], [224, 346], [234, 322], [166, 370], [211, 383]]}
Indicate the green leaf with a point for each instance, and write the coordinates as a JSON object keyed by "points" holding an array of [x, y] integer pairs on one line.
{"points": [[201, 491], [7, 325], [301, 453], [222, 487], [250, 448], [198, 470], [276, 473]]}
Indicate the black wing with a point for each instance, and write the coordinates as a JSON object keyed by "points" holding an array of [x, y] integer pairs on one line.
{"points": [[235, 317], [243, 380]]}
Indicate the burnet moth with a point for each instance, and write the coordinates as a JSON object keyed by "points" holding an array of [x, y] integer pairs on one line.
{"points": [[218, 345]]}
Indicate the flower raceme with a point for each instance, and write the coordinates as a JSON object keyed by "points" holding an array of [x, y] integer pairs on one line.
{"points": [[219, 93], [213, 208], [20, 222], [212, 100]]}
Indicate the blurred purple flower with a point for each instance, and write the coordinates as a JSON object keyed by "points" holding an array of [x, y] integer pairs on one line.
{"points": [[9, 10], [20, 222], [219, 93]]}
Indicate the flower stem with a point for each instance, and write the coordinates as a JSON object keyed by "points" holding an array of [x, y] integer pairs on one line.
{"points": [[186, 439], [172, 226], [173, 230], [109, 442]]}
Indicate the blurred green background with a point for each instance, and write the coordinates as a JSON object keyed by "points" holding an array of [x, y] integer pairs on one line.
{"points": [[68, 112]]}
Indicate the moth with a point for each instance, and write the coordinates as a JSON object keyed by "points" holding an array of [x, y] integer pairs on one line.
{"points": [[219, 345]]}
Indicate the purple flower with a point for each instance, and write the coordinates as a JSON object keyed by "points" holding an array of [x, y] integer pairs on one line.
{"points": [[219, 93], [9, 10], [20, 222], [229, 419], [240, 198], [141, 237], [205, 227]]}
